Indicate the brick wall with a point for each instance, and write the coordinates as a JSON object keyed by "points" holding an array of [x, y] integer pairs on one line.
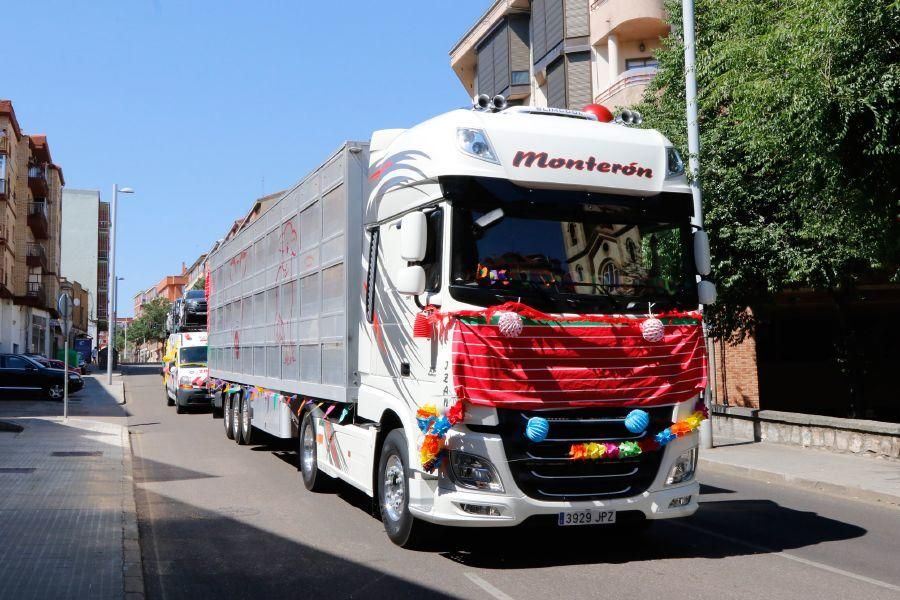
{"points": [[737, 377]]}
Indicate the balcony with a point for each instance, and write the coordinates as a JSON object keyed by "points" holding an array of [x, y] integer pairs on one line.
{"points": [[627, 89], [36, 256], [37, 180], [5, 292], [4, 143], [39, 219], [628, 19], [35, 294]]}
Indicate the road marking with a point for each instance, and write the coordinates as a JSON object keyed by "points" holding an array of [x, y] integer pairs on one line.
{"points": [[496, 593], [793, 557]]}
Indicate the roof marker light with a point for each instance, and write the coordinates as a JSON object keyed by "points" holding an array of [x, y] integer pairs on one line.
{"points": [[601, 112]]}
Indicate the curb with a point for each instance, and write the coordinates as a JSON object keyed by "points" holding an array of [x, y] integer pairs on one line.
{"points": [[832, 489], [132, 564]]}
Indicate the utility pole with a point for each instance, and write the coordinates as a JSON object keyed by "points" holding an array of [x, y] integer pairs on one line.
{"points": [[114, 284], [693, 131]]}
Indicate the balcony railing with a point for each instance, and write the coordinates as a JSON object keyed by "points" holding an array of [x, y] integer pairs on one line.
{"points": [[36, 256], [38, 219], [37, 291], [630, 78], [37, 180]]}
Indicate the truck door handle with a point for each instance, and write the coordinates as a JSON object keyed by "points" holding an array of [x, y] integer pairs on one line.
{"points": [[404, 368]]}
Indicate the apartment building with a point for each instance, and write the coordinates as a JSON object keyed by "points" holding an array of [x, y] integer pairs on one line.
{"points": [[562, 53], [30, 226], [85, 251]]}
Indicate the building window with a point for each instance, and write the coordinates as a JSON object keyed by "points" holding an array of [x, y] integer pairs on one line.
{"points": [[632, 249], [572, 234], [640, 63], [520, 78], [609, 274]]}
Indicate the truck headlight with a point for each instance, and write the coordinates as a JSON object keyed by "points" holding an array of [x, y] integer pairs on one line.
{"points": [[474, 142], [474, 472], [683, 468], [184, 381]]}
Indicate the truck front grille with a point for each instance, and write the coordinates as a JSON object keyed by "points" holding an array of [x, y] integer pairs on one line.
{"points": [[544, 471]]}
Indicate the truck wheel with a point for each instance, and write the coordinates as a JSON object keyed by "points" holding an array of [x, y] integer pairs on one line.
{"points": [[180, 408], [228, 416], [313, 479], [245, 428], [393, 493], [236, 418], [169, 401]]}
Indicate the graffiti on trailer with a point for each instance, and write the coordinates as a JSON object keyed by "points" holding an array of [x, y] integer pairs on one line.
{"points": [[287, 248]]}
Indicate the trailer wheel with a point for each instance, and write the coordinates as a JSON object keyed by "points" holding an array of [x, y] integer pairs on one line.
{"points": [[228, 416], [313, 479], [244, 429], [236, 418], [393, 493]]}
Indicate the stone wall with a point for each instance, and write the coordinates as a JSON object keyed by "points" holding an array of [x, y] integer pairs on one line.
{"points": [[856, 436]]}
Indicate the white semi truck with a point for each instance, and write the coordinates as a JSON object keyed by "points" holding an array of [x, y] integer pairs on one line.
{"points": [[486, 319]]}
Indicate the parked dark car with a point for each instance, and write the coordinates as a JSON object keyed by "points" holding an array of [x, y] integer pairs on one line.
{"points": [[52, 363], [193, 311], [20, 374]]}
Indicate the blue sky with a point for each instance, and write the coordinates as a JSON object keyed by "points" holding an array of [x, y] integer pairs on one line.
{"points": [[201, 106]]}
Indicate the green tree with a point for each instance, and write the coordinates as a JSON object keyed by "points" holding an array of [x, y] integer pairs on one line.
{"points": [[153, 317], [199, 284], [798, 112]]}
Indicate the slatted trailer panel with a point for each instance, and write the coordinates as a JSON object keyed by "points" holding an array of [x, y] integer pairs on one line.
{"points": [[284, 298]]}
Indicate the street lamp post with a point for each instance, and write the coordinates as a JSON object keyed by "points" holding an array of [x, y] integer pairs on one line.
{"points": [[111, 343], [693, 131]]}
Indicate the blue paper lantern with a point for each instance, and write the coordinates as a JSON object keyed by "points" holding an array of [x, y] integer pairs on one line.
{"points": [[637, 421], [537, 429]]}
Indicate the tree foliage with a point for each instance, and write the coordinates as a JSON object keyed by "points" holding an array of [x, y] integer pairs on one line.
{"points": [[151, 325], [798, 112]]}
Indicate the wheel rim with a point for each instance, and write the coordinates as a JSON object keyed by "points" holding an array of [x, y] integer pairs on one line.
{"points": [[394, 492], [308, 451], [56, 391], [236, 426]]}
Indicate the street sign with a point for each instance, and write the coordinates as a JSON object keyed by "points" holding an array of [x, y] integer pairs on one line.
{"points": [[64, 305]]}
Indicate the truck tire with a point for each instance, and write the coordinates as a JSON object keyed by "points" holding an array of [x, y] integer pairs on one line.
{"points": [[245, 428], [169, 401], [308, 464], [228, 416], [401, 526], [180, 408]]}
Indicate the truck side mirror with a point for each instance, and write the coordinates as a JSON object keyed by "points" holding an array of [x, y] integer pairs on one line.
{"points": [[411, 280], [413, 236], [706, 292], [701, 252]]}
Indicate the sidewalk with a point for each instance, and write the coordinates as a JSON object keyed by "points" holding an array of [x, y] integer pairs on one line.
{"points": [[848, 476], [67, 513]]}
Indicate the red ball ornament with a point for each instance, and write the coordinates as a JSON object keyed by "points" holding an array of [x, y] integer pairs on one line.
{"points": [[601, 112]]}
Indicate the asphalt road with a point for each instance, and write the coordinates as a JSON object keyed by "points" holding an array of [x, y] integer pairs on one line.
{"points": [[218, 520]]}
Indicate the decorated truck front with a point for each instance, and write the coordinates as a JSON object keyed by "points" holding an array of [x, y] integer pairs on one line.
{"points": [[534, 299]]}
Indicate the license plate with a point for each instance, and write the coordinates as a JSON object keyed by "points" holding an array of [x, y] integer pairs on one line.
{"points": [[586, 517]]}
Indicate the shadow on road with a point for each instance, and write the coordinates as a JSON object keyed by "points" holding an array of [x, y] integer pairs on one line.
{"points": [[223, 560]]}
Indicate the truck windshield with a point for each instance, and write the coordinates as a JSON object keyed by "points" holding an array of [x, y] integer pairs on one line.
{"points": [[584, 258], [193, 354]]}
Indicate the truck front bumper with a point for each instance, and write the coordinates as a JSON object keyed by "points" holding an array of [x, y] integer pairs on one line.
{"points": [[193, 396], [438, 499]]}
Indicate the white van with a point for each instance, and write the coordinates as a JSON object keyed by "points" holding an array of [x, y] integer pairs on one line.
{"points": [[188, 371]]}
